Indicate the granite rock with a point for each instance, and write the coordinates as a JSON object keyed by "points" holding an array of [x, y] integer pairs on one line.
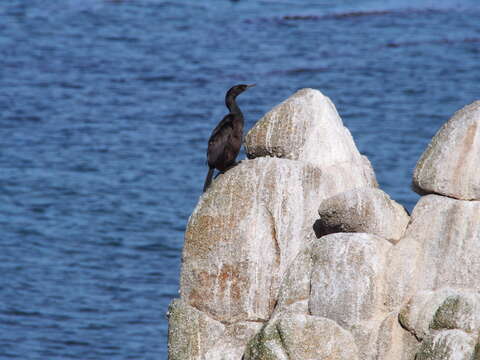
{"points": [[449, 165], [305, 127], [367, 210], [441, 244], [443, 309], [448, 345], [247, 229], [299, 336]]}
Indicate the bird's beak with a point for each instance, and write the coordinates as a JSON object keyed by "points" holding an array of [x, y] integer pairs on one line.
{"points": [[251, 85]]}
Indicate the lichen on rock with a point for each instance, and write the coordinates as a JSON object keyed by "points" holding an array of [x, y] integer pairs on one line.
{"points": [[299, 336]]}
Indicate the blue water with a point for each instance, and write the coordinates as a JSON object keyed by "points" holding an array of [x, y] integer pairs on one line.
{"points": [[105, 111]]}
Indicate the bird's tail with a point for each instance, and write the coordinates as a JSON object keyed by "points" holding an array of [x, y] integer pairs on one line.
{"points": [[208, 180]]}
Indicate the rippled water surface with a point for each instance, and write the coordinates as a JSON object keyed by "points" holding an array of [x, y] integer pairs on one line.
{"points": [[105, 111]]}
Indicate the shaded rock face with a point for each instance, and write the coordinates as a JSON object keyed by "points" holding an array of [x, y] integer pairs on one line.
{"points": [[449, 165], [366, 210]]}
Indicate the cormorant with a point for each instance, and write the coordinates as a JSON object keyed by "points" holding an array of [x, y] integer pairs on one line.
{"points": [[226, 139]]}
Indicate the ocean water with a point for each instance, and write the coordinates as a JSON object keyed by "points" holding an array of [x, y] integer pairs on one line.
{"points": [[105, 112]]}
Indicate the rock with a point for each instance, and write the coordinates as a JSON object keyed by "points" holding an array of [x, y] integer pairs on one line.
{"points": [[366, 210], [191, 333], [401, 272], [194, 335], [442, 309], [346, 278], [418, 313], [247, 229], [238, 269], [393, 342], [297, 336], [448, 345], [459, 311], [368, 171], [341, 277], [304, 127], [442, 242], [232, 345], [449, 165]]}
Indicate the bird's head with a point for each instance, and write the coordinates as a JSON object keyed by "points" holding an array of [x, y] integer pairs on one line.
{"points": [[238, 89]]}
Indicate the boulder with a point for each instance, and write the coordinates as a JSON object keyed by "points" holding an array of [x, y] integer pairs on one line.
{"points": [[448, 345], [442, 309], [330, 272], [304, 127], [299, 336], [442, 246], [341, 277], [459, 311], [449, 165], [194, 335], [191, 333], [346, 277], [367, 210]]}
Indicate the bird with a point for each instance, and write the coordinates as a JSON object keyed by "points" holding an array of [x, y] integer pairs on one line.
{"points": [[226, 139]]}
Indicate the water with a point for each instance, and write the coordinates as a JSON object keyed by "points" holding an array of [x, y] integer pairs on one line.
{"points": [[105, 111]]}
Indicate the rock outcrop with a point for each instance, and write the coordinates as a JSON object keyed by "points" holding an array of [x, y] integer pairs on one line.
{"points": [[296, 254], [449, 165]]}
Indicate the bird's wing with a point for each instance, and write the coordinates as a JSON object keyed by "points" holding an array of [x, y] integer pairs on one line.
{"points": [[219, 138], [226, 122]]}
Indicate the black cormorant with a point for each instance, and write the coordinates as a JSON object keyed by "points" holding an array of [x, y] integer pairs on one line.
{"points": [[226, 139]]}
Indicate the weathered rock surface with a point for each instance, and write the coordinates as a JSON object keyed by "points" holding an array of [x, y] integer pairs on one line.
{"points": [[442, 244], [443, 309], [252, 222], [247, 229], [449, 165], [367, 210], [254, 272], [304, 127], [448, 345], [340, 277], [393, 342], [298, 336], [194, 335]]}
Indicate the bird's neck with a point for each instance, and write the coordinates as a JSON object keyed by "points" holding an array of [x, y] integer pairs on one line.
{"points": [[232, 105]]}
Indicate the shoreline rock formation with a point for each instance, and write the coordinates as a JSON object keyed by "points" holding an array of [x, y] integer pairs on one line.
{"points": [[296, 254]]}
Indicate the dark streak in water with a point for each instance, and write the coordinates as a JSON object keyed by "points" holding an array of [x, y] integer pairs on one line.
{"points": [[434, 42], [298, 71], [353, 14]]}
